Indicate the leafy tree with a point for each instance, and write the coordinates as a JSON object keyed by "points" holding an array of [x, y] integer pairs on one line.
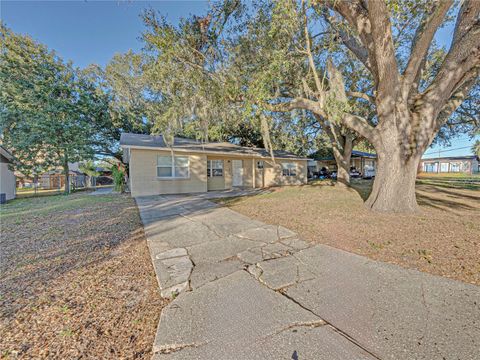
{"points": [[123, 85], [190, 87], [49, 114], [88, 167], [410, 109], [412, 87], [476, 148]]}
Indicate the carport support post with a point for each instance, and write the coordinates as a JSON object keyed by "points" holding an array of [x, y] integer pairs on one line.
{"points": [[253, 172]]}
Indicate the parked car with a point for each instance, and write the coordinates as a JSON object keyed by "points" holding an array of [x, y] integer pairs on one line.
{"points": [[324, 173], [354, 173]]}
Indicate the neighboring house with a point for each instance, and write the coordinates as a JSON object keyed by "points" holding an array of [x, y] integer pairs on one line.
{"points": [[451, 164], [7, 178], [192, 166], [359, 160], [55, 179]]}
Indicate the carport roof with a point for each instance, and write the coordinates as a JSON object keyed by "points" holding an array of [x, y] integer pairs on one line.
{"points": [[129, 140]]}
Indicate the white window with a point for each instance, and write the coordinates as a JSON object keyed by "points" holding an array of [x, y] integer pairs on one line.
{"points": [[443, 167], [455, 167], [430, 167], [260, 164], [214, 168], [175, 167], [289, 169]]}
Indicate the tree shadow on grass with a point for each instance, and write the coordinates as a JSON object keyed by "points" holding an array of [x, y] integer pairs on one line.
{"points": [[37, 250]]}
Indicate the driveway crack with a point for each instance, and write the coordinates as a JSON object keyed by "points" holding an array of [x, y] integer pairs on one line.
{"points": [[171, 348]]}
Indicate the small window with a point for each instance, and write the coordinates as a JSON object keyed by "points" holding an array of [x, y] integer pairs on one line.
{"points": [[260, 164], [456, 167], [289, 169], [214, 168], [175, 167]]}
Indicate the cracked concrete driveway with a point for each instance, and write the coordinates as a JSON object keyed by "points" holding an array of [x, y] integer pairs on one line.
{"points": [[246, 290]]}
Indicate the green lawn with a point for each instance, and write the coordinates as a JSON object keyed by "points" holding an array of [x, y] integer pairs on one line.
{"points": [[452, 181], [441, 239], [44, 205]]}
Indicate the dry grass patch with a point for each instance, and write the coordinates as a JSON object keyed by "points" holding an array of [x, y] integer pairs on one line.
{"points": [[443, 239], [76, 279]]}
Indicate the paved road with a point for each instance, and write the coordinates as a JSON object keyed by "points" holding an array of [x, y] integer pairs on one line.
{"points": [[246, 290]]}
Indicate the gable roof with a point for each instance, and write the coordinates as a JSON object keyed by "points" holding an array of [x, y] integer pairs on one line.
{"points": [[129, 140]]}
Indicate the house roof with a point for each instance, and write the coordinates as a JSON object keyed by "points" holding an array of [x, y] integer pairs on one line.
{"points": [[5, 153], [355, 154], [465, 157], [129, 140]]}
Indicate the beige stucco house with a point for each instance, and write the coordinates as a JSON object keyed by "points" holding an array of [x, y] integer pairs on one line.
{"points": [[7, 178], [191, 166]]}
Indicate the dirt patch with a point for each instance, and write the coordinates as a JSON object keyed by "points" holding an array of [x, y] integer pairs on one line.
{"points": [[443, 239], [76, 279]]}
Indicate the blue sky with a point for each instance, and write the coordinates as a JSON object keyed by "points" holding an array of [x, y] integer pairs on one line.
{"points": [[93, 31]]}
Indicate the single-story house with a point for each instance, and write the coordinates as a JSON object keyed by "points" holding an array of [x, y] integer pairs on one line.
{"points": [[358, 160], [451, 164], [191, 166], [7, 178]]}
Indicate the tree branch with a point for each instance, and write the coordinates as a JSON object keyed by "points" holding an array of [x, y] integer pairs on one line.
{"points": [[357, 16], [423, 38], [351, 43], [458, 97], [361, 126], [463, 58], [361, 95], [297, 103], [384, 52]]}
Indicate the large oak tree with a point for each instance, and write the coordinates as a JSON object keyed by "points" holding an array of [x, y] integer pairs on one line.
{"points": [[410, 108]]}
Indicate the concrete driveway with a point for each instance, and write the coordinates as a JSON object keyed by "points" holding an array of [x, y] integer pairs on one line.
{"points": [[243, 289]]}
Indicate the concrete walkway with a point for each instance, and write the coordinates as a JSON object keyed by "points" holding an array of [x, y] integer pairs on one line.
{"points": [[246, 290], [102, 191]]}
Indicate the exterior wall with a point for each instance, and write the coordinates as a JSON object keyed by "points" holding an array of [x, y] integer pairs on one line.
{"points": [[361, 162], [7, 181], [144, 180], [273, 173], [475, 166], [467, 166]]}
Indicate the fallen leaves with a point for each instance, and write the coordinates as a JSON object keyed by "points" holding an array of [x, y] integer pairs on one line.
{"points": [[76, 279]]}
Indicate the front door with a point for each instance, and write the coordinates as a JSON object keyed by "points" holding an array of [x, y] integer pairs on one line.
{"points": [[237, 170]]}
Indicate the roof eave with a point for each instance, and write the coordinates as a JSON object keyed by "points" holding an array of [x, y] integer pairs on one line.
{"points": [[125, 146]]}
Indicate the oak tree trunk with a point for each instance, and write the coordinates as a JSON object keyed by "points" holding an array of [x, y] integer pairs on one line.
{"points": [[66, 172], [343, 166], [394, 185]]}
